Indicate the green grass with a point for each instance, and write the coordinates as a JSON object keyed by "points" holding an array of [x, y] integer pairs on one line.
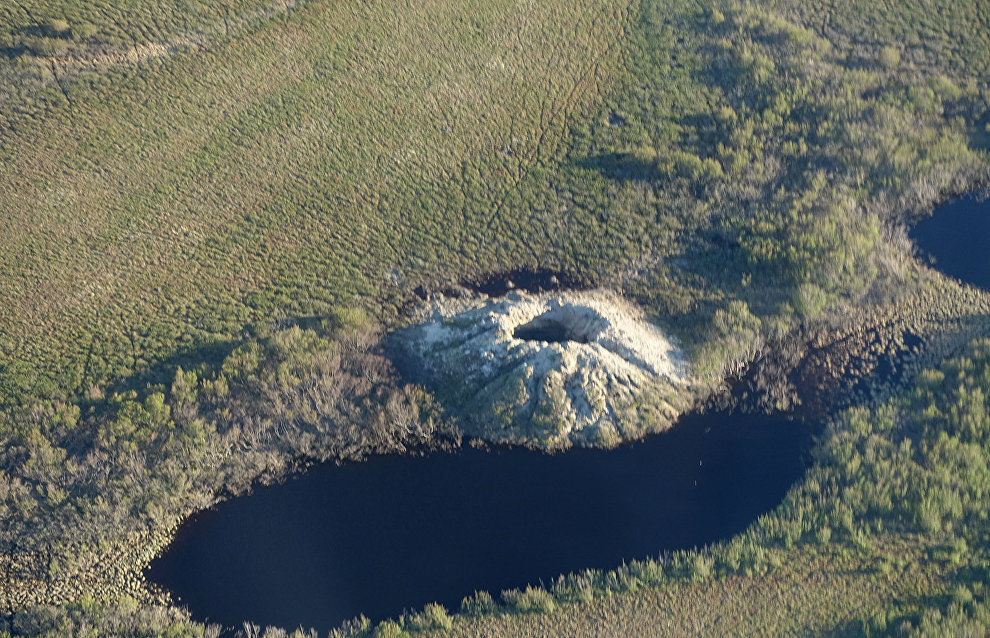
{"points": [[96, 24], [815, 593], [742, 170], [135, 18], [338, 153], [283, 172]]}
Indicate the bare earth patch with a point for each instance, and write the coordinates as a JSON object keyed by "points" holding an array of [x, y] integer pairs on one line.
{"points": [[551, 369]]}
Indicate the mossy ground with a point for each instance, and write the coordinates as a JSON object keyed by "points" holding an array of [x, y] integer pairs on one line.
{"points": [[816, 593], [743, 170]]}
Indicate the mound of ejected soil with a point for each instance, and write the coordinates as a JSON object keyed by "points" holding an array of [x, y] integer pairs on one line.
{"points": [[550, 369]]}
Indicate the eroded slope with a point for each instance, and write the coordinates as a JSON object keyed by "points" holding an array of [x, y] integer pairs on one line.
{"points": [[551, 369]]}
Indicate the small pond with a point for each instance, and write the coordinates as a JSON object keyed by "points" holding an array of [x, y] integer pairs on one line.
{"points": [[398, 532], [956, 240]]}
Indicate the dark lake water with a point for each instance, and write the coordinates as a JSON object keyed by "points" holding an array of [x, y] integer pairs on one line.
{"points": [[956, 240], [395, 533], [398, 532]]}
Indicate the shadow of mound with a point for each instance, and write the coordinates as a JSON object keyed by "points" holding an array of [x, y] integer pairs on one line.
{"points": [[501, 283]]}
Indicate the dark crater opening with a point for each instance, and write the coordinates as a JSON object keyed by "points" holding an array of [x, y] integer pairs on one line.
{"points": [[570, 323], [553, 331]]}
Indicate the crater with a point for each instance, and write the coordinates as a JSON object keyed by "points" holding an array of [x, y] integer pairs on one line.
{"points": [[549, 369], [580, 325]]}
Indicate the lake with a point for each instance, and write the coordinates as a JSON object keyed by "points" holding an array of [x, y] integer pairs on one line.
{"points": [[398, 532], [956, 240]]}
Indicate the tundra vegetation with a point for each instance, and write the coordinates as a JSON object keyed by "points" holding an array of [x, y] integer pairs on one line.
{"points": [[213, 211]]}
